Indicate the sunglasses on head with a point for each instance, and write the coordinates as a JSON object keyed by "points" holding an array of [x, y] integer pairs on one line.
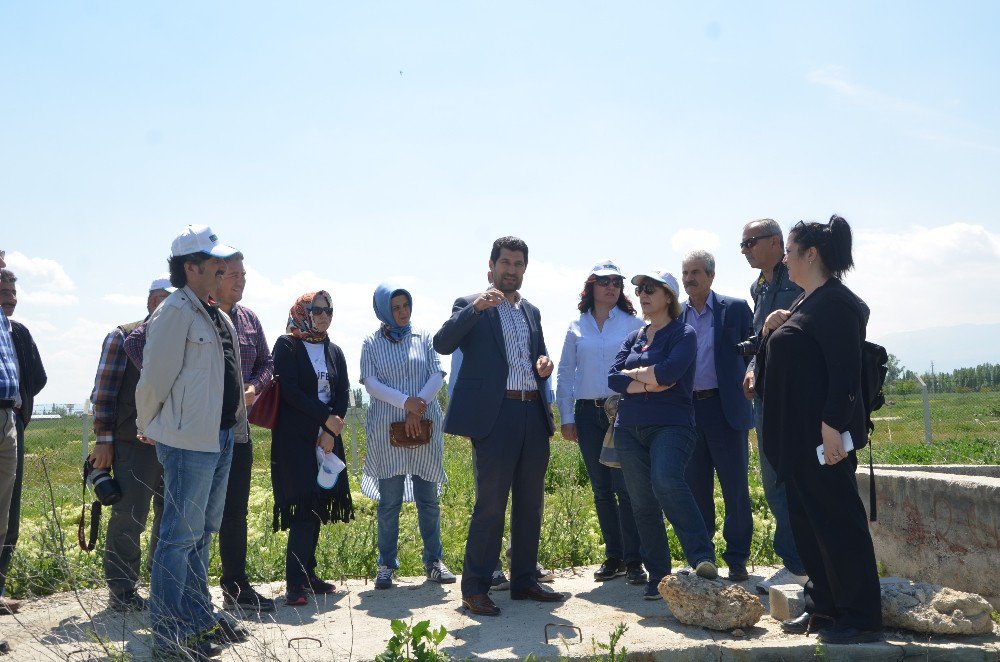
{"points": [[614, 281], [752, 241], [319, 310], [648, 288]]}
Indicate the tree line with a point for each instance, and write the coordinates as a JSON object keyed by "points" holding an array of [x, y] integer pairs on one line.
{"points": [[984, 377]]}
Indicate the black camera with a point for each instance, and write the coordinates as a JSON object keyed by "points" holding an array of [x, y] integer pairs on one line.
{"points": [[749, 347], [106, 488]]}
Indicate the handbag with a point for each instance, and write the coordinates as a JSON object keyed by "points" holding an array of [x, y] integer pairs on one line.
{"points": [[609, 456], [264, 410], [399, 438]]}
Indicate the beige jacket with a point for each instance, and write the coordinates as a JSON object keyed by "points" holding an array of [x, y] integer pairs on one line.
{"points": [[179, 395]]}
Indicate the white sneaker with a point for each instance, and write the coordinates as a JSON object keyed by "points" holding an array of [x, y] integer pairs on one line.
{"points": [[780, 578]]}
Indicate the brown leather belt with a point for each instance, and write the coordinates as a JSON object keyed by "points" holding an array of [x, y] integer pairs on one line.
{"points": [[522, 395], [706, 394]]}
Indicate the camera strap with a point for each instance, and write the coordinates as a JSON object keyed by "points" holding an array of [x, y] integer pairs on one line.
{"points": [[88, 544]]}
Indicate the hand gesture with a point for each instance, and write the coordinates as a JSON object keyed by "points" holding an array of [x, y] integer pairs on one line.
{"points": [[101, 456], [412, 425], [415, 405], [569, 432], [491, 298], [335, 424], [774, 320], [544, 366], [249, 395], [325, 441], [748, 385], [833, 445]]}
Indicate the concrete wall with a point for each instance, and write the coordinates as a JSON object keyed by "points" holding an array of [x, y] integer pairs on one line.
{"points": [[938, 524]]}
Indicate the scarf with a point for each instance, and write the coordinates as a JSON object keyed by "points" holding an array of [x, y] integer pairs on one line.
{"points": [[382, 303], [300, 324]]}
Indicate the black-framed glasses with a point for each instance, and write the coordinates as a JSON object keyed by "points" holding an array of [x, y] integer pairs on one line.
{"points": [[648, 288], [613, 281], [752, 241], [320, 310]]}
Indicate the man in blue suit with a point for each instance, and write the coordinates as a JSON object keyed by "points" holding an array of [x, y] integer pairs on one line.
{"points": [[722, 414], [498, 404]]}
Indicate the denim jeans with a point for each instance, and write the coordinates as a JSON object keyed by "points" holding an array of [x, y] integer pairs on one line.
{"points": [[425, 494], [194, 495], [777, 500], [611, 500], [653, 459]]}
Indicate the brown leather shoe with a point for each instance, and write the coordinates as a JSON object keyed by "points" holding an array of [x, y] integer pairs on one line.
{"points": [[481, 605], [9, 606], [538, 593]]}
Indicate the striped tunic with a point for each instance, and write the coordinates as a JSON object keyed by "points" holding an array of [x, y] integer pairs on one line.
{"points": [[405, 366], [517, 342]]}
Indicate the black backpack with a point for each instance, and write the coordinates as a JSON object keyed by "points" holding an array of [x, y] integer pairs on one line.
{"points": [[874, 360]]}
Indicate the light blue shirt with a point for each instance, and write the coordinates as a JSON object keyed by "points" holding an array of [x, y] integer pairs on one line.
{"points": [[703, 324], [8, 362], [587, 354]]}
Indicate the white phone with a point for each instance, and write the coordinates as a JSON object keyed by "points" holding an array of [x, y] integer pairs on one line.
{"points": [[848, 446]]}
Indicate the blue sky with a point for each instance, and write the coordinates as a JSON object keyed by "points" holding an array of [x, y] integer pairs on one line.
{"points": [[338, 144]]}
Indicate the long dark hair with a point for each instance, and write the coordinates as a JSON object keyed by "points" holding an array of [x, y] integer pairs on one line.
{"points": [[587, 299], [832, 240]]}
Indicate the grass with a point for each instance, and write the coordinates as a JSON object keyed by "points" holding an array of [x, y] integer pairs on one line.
{"points": [[48, 560]]}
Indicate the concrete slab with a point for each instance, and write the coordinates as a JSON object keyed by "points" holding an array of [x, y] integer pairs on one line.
{"points": [[354, 625]]}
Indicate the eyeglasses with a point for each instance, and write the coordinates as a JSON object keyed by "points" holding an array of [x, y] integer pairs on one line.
{"points": [[648, 288], [613, 281], [752, 241], [318, 310]]}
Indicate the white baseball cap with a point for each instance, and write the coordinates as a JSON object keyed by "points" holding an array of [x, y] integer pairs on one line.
{"points": [[161, 283], [200, 239], [660, 276], [605, 268]]}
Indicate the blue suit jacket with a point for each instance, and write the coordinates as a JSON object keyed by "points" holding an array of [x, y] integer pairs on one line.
{"points": [[481, 383], [733, 323]]}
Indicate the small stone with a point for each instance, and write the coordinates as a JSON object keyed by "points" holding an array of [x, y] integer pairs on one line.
{"points": [[738, 632], [787, 601], [710, 603], [934, 609]]}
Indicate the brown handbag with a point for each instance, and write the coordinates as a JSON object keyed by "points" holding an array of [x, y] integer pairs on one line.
{"points": [[264, 410], [399, 438]]}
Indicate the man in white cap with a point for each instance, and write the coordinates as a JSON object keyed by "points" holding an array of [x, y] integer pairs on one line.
{"points": [[189, 402], [133, 463]]}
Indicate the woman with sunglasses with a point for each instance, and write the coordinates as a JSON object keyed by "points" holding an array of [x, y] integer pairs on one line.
{"points": [[654, 429], [592, 342], [402, 374], [312, 374]]}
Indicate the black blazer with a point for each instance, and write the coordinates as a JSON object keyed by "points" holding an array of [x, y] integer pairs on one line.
{"points": [[482, 380], [32, 377]]}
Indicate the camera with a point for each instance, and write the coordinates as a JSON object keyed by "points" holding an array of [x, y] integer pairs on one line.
{"points": [[106, 488], [749, 347]]}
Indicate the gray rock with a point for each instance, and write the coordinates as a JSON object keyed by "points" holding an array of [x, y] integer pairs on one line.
{"points": [[933, 609], [787, 601], [710, 603]]}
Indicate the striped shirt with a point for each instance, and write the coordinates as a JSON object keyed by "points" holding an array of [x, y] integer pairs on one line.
{"points": [[8, 362], [517, 342], [405, 366], [107, 384]]}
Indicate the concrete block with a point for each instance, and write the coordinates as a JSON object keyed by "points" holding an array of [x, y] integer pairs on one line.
{"points": [[787, 601]]}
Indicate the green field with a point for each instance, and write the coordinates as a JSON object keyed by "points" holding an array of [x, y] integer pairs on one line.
{"points": [[965, 426]]}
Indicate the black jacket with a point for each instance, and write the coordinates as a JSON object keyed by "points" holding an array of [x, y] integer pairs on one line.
{"points": [[31, 372]]}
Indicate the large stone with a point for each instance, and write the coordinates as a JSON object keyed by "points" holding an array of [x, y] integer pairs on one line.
{"points": [[787, 601], [710, 603], [933, 609]]}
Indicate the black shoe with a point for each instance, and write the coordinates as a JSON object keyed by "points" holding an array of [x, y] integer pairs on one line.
{"points": [[610, 569], [738, 572], [243, 596], [4, 647], [129, 603], [198, 650], [636, 574], [807, 623], [226, 632], [848, 634], [652, 591]]}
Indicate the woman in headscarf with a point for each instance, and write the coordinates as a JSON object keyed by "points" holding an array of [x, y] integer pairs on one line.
{"points": [[312, 373], [402, 373]]}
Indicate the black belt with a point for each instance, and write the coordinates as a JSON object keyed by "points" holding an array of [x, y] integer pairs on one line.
{"points": [[599, 402], [522, 395], [6, 404], [706, 394]]}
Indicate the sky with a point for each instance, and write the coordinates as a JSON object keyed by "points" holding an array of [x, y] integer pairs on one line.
{"points": [[341, 144]]}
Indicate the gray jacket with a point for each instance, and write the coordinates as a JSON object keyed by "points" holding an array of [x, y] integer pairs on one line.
{"points": [[767, 297]]}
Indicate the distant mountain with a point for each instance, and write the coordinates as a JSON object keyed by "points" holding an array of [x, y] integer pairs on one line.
{"points": [[949, 347]]}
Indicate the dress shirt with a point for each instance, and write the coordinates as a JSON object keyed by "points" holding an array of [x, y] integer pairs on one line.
{"points": [[17, 370], [587, 353], [110, 373], [8, 362], [703, 324], [517, 342]]}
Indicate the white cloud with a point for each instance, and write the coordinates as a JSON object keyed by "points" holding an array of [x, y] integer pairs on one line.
{"points": [[837, 79], [690, 239], [41, 281], [130, 300]]}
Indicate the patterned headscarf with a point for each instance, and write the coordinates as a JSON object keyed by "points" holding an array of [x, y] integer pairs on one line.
{"points": [[382, 303], [300, 323]]}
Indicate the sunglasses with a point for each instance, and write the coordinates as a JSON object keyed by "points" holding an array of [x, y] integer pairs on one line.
{"points": [[613, 281], [648, 288], [752, 241], [317, 310]]}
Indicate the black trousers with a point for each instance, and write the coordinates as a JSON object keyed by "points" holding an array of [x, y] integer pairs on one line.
{"points": [[233, 530], [14, 520], [511, 459], [831, 533], [300, 555]]}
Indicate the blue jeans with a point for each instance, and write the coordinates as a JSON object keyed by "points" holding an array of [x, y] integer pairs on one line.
{"points": [[425, 494], [653, 459], [194, 495], [777, 500], [611, 501]]}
